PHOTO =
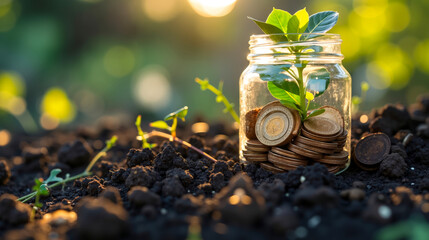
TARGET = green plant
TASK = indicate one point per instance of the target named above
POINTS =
(357, 100)
(39, 189)
(162, 124)
(181, 113)
(415, 228)
(286, 81)
(142, 134)
(229, 107)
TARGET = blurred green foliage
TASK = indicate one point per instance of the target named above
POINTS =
(105, 57)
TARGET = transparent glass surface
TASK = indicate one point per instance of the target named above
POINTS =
(270, 56)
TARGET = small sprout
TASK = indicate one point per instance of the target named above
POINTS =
(229, 107)
(42, 188)
(142, 134)
(65, 181)
(162, 124)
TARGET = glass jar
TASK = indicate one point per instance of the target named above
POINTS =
(317, 60)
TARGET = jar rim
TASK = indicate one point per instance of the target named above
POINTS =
(312, 37)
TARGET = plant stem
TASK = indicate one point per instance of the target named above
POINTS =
(302, 92)
(225, 102)
(168, 136)
(173, 128)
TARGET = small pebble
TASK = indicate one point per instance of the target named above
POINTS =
(302, 179)
(163, 211)
(412, 184)
(301, 232)
(412, 168)
(314, 221)
(384, 211)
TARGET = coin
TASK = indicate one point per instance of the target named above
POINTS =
(255, 159)
(249, 123)
(316, 137)
(274, 157)
(276, 124)
(254, 143)
(333, 161)
(309, 141)
(338, 156)
(253, 153)
(321, 126)
(371, 149)
(304, 152)
(257, 149)
(287, 153)
(333, 114)
(314, 148)
(270, 167)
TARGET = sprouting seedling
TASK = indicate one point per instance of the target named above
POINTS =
(415, 228)
(60, 181)
(287, 82)
(357, 100)
(229, 107)
(142, 135)
(41, 188)
(162, 124)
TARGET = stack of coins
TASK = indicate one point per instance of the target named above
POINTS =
(286, 159)
(322, 140)
(255, 151)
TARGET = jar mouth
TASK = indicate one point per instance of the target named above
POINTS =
(281, 46)
(304, 38)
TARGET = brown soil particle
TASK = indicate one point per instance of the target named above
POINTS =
(172, 187)
(141, 196)
(100, 219)
(94, 187)
(169, 158)
(75, 154)
(4, 172)
(324, 196)
(35, 159)
(393, 165)
(12, 211)
(139, 157)
(142, 176)
(184, 175)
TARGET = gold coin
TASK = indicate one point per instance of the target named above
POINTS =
(304, 152)
(317, 137)
(333, 161)
(276, 124)
(309, 141)
(338, 156)
(287, 153)
(333, 114)
(270, 167)
(314, 148)
(322, 126)
(275, 158)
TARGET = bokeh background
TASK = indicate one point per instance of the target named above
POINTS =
(68, 63)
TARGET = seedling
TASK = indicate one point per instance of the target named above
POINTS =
(357, 100)
(229, 107)
(181, 113)
(142, 134)
(286, 82)
(39, 190)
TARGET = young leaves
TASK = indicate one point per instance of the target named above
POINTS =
(53, 176)
(161, 125)
(280, 19)
(181, 113)
(145, 144)
(297, 24)
(321, 23)
(282, 94)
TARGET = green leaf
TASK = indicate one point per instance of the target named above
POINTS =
(37, 186)
(138, 120)
(282, 94)
(318, 81)
(149, 145)
(276, 72)
(43, 190)
(289, 86)
(316, 112)
(181, 113)
(321, 23)
(309, 96)
(271, 29)
(290, 105)
(111, 142)
(203, 83)
(160, 124)
(53, 176)
(297, 24)
(279, 18)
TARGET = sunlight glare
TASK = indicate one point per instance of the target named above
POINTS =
(212, 8)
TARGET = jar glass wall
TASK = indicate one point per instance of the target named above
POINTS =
(319, 59)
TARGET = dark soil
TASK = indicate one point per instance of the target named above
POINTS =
(172, 192)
